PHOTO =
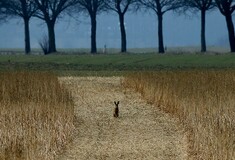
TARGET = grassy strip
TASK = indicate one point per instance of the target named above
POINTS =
(184, 60)
(77, 64)
(36, 116)
(203, 101)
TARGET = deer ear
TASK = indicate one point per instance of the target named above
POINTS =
(117, 102)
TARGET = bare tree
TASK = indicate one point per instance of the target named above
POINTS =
(203, 6)
(92, 7)
(121, 7)
(227, 8)
(50, 11)
(24, 9)
(160, 7)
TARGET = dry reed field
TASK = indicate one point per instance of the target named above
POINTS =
(36, 116)
(204, 101)
(141, 131)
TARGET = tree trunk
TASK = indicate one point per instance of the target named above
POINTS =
(93, 34)
(231, 34)
(203, 30)
(160, 34)
(123, 32)
(27, 36)
(51, 36)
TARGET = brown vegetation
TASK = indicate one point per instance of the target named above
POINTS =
(36, 116)
(141, 132)
(202, 100)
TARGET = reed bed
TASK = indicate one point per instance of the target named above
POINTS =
(36, 116)
(204, 102)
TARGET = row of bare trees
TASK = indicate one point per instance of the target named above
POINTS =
(50, 10)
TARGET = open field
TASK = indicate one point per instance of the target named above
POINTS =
(116, 63)
(198, 90)
(37, 120)
(202, 100)
(36, 116)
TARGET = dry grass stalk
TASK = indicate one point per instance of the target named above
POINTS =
(202, 100)
(36, 116)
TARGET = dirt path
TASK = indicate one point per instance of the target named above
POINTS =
(141, 132)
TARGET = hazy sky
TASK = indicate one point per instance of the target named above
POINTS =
(141, 31)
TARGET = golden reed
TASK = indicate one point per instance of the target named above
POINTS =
(204, 102)
(36, 116)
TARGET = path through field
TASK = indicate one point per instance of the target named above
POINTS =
(141, 132)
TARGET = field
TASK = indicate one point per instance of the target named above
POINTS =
(196, 90)
(202, 100)
(36, 116)
(140, 132)
(114, 64)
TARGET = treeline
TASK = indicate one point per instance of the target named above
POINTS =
(51, 11)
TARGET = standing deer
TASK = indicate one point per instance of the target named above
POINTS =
(116, 109)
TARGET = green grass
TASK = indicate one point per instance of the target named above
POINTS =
(115, 63)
